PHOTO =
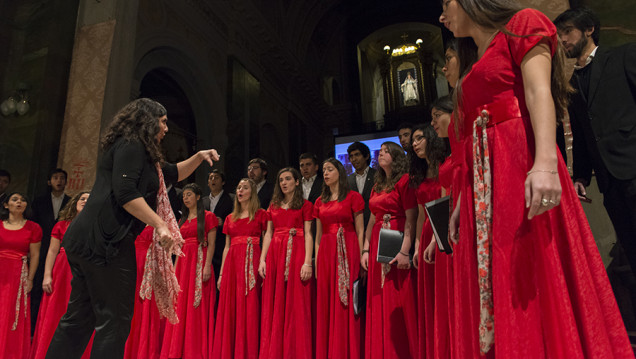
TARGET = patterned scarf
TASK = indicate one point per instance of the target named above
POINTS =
(159, 275)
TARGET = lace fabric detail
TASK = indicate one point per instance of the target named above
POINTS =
(198, 280)
(159, 274)
(483, 228)
(290, 239)
(250, 278)
(386, 268)
(22, 293)
(344, 276)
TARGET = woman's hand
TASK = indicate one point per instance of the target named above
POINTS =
(364, 260)
(261, 268)
(543, 191)
(416, 253)
(429, 252)
(218, 282)
(207, 272)
(47, 284)
(403, 261)
(29, 285)
(165, 237)
(210, 156)
(453, 225)
(305, 271)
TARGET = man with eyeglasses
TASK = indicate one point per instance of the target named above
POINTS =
(257, 172)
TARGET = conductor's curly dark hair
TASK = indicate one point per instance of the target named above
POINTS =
(137, 121)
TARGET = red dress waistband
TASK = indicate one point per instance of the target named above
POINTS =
(332, 228)
(236, 240)
(285, 231)
(11, 254)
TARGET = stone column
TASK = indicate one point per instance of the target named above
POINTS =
(99, 83)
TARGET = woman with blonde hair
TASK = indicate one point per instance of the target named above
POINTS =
(238, 321)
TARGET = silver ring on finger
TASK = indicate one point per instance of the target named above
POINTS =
(545, 202)
(553, 202)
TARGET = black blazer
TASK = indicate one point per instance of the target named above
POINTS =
(316, 189)
(223, 209)
(366, 192)
(265, 194)
(124, 173)
(604, 122)
(43, 212)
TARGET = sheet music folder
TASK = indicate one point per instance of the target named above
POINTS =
(438, 212)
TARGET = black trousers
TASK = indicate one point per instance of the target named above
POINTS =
(619, 199)
(102, 299)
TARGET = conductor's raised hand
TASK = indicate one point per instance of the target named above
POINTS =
(210, 156)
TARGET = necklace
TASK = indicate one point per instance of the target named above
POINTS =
(20, 222)
(486, 44)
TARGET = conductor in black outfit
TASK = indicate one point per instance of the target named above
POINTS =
(100, 242)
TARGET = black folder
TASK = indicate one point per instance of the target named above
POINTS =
(438, 212)
(389, 244)
(359, 292)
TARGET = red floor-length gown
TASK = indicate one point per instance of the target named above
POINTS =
(53, 305)
(146, 329)
(427, 191)
(14, 249)
(238, 315)
(189, 338)
(391, 328)
(550, 290)
(337, 327)
(286, 318)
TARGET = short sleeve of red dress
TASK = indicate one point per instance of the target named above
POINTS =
(407, 194)
(261, 218)
(59, 229)
(36, 232)
(533, 27)
(227, 224)
(307, 210)
(316, 209)
(211, 221)
(357, 202)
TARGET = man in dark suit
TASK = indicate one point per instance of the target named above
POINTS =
(45, 212)
(221, 204)
(363, 178)
(5, 181)
(603, 120)
(257, 172)
(311, 181)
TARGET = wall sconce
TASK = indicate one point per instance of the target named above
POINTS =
(419, 42)
(387, 48)
(18, 103)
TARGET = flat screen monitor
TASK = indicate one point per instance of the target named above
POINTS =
(373, 140)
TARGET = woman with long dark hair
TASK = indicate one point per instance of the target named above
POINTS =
(57, 281)
(190, 338)
(130, 184)
(19, 253)
(427, 153)
(238, 321)
(392, 288)
(339, 232)
(286, 269)
(528, 272)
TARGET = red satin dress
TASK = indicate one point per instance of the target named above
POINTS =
(391, 327)
(337, 327)
(286, 319)
(189, 338)
(427, 191)
(147, 326)
(14, 249)
(551, 295)
(238, 315)
(53, 306)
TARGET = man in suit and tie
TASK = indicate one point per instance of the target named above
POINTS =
(5, 181)
(45, 211)
(257, 172)
(221, 204)
(603, 119)
(363, 178)
(311, 181)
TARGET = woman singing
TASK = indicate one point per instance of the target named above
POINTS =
(286, 269)
(531, 281)
(426, 154)
(339, 233)
(190, 338)
(19, 253)
(57, 281)
(238, 319)
(392, 288)
(99, 244)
